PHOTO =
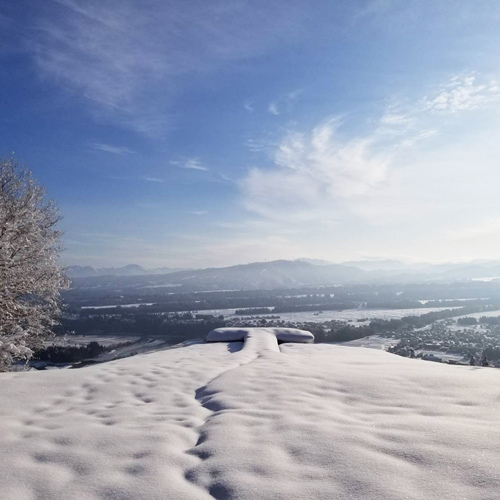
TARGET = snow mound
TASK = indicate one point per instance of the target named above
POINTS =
(240, 334)
(227, 421)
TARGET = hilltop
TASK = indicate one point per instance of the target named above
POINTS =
(248, 418)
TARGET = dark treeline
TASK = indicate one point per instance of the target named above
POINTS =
(381, 295)
(491, 352)
(343, 334)
(266, 302)
(340, 306)
(468, 321)
(69, 354)
(255, 310)
(328, 298)
(140, 325)
(489, 320)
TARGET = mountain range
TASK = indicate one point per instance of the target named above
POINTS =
(129, 270)
(283, 274)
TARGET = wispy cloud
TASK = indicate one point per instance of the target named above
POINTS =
(198, 212)
(108, 148)
(248, 105)
(258, 145)
(309, 167)
(143, 178)
(325, 173)
(150, 179)
(127, 58)
(225, 178)
(273, 108)
(463, 93)
(286, 102)
(190, 164)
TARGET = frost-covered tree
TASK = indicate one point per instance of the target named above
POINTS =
(30, 278)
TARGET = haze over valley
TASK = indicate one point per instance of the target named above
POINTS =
(282, 273)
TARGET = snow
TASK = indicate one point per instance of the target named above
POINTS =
(252, 420)
(123, 306)
(371, 342)
(240, 334)
(361, 315)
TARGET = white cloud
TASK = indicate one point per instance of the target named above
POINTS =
(190, 164)
(249, 106)
(108, 148)
(312, 168)
(225, 178)
(150, 179)
(198, 212)
(287, 102)
(463, 93)
(396, 120)
(258, 145)
(393, 171)
(273, 108)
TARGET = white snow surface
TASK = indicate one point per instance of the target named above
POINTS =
(271, 334)
(252, 420)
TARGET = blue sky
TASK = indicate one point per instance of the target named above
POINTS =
(215, 133)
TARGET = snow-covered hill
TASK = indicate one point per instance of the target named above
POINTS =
(252, 420)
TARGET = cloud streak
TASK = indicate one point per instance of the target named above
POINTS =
(190, 164)
(108, 148)
(143, 178)
(128, 58)
(249, 106)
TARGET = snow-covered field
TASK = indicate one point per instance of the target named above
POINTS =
(345, 315)
(371, 342)
(252, 420)
(313, 316)
(125, 306)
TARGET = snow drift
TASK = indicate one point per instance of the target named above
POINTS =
(252, 420)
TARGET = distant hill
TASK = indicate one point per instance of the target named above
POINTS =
(130, 270)
(256, 276)
(268, 275)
